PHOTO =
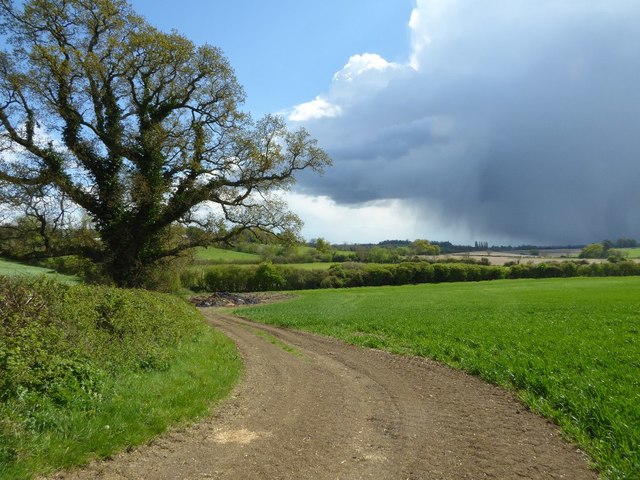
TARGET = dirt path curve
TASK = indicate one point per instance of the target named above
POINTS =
(309, 407)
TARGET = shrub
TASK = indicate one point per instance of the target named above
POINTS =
(267, 277)
(594, 250)
(68, 358)
(339, 256)
(60, 344)
(376, 275)
(193, 279)
(348, 274)
(89, 271)
(615, 256)
(31, 337)
(55, 337)
(229, 278)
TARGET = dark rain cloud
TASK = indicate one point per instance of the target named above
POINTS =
(522, 122)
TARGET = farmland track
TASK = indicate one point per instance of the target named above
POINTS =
(309, 407)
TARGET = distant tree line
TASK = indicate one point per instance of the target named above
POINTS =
(320, 250)
(447, 247)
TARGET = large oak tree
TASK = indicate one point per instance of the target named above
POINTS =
(140, 128)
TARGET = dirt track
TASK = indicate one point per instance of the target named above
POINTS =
(332, 411)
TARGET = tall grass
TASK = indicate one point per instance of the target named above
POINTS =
(569, 347)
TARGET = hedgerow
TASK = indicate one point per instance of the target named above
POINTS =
(266, 276)
(60, 345)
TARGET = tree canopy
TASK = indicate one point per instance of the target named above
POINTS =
(141, 129)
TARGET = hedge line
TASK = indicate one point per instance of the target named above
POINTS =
(60, 344)
(266, 276)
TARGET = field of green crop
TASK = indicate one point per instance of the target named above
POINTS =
(10, 269)
(308, 266)
(569, 347)
(632, 252)
(220, 255)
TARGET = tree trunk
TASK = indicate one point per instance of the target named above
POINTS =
(132, 254)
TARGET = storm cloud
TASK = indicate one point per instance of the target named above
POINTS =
(519, 120)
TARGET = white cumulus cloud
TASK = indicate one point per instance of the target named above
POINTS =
(317, 108)
(359, 78)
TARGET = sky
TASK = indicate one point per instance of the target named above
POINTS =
(506, 121)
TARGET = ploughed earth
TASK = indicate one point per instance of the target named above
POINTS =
(309, 407)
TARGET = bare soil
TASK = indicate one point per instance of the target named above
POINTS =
(501, 258)
(546, 256)
(320, 409)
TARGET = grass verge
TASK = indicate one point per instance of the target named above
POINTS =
(569, 347)
(135, 408)
(85, 372)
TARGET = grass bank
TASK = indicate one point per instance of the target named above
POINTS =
(87, 371)
(569, 347)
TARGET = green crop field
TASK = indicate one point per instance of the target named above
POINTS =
(631, 252)
(569, 347)
(307, 266)
(220, 255)
(9, 268)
